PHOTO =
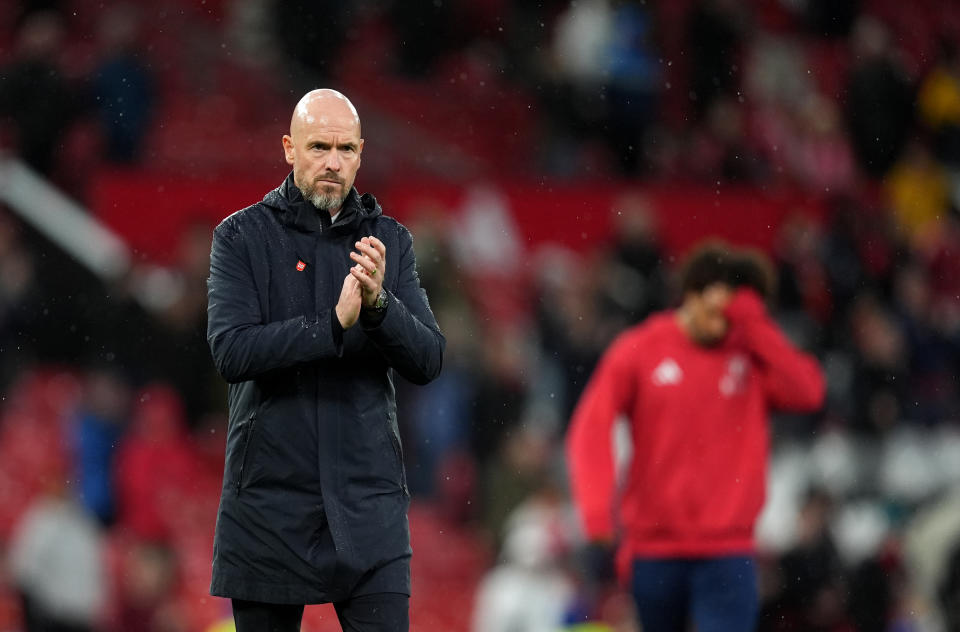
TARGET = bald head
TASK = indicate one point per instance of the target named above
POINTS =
(324, 147)
(321, 106)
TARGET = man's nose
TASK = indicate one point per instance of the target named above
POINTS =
(333, 160)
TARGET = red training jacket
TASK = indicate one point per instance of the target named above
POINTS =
(698, 421)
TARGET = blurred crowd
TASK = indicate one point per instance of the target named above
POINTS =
(111, 425)
(826, 96)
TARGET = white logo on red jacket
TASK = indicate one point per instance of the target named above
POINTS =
(668, 372)
(734, 380)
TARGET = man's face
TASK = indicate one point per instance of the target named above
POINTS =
(707, 323)
(324, 148)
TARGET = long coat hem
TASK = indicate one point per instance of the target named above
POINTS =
(393, 576)
(242, 587)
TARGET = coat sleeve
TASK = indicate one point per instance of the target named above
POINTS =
(610, 393)
(243, 346)
(792, 379)
(408, 335)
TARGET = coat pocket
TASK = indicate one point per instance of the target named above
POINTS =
(245, 455)
(398, 453)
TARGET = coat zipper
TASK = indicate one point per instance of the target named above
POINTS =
(248, 433)
(398, 452)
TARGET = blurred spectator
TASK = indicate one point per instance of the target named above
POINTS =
(442, 411)
(940, 252)
(929, 545)
(859, 252)
(633, 284)
(56, 560)
(34, 94)
(918, 189)
(499, 391)
(721, 149)
(875, 592)
(98, 426)
(776, 88)
(633, 74)
(582, 37)
(775, 70)
(521, 467)
(577, 68)
(177, 327)
(715, 31)
(938, 103)
(441, 274)
(122, 85)
(485, 239)
(821, 159)
(879, 98)
(607, 77)
(569, 321)
(530, 591)
(931, 362)
(881, 366)
(145, 596)
(155, 465)
(810, 590)
(802, 283)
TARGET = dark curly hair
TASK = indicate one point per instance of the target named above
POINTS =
(718, 262)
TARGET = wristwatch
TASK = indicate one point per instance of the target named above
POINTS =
(381, 303)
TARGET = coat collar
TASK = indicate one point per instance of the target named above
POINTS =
(304, 216)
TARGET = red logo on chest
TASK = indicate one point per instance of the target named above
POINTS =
(301, 265)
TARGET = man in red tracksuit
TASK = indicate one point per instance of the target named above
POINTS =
(696, 385)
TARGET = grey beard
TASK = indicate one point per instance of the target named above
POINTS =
(323, 201)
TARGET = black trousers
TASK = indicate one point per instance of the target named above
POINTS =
(380, 612)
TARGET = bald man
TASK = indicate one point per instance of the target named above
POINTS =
(314, 306)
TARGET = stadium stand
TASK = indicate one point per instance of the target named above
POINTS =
(605, 153)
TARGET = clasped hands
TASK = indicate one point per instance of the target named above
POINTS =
(364, 282)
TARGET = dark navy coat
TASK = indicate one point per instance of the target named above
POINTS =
(314, 501)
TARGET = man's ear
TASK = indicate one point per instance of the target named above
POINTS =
(288, 149)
